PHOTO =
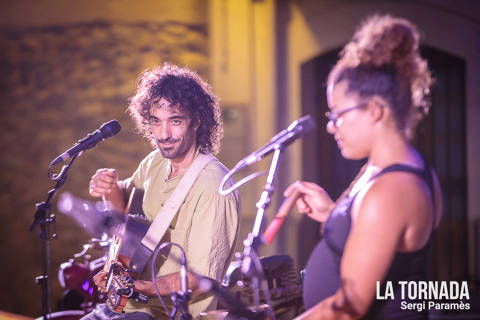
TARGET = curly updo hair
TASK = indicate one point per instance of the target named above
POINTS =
(383, 59)
(183, 87)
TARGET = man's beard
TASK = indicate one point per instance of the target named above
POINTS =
(177, 150)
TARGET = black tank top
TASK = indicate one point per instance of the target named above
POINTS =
(322, 273)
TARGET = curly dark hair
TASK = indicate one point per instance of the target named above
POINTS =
(180, 86)
(383, 59)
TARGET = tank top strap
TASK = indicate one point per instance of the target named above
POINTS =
(425, 174)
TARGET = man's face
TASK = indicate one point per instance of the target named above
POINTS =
(174, 132)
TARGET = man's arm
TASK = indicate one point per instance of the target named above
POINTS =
(168, 284)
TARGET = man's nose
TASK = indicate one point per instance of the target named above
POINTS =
(164, 132)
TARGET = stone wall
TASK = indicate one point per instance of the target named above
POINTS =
(59, 83)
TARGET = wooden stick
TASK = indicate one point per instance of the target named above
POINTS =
(280, 216)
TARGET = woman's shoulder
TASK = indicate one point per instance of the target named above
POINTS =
(402, 203)
(396, 197)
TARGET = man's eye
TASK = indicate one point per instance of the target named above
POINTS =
(154, 121)
(176, 121)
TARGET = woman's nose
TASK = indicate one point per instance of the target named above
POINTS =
(330, 127)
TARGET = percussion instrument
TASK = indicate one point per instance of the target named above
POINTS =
(65, 315)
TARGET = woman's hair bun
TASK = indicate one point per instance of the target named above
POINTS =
(383, 40)
(384, 43)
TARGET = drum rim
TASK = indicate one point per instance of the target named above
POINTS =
(64, 313)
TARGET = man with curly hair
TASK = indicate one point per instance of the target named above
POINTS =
(177, 112)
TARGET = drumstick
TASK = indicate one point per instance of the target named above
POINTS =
(106, 204)
(116, 238)
(279, 218)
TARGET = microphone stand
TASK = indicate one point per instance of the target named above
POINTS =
(44, 217)
(236, 307)
(180, 298)
(180, 301)
(253, 241)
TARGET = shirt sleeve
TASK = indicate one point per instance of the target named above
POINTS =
(213, 233)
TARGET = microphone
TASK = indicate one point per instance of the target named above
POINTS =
(106, 130)
(236, 308)
(294, 131)
(183, 274)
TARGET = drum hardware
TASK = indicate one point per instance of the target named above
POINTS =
(283, 281)
(259, 313)
(95, 217)
(76, 277)
(65, 315)
(103, 243)
(250, 267)
(249, 264)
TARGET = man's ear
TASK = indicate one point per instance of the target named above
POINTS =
(196, 124)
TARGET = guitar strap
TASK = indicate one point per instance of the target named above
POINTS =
(165, 216)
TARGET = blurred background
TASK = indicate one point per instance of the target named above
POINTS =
(68, 66)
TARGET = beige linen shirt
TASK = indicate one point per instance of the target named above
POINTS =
(206, 226)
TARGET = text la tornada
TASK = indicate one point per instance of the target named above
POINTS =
(423, 290)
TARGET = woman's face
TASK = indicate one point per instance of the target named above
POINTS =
(348, 122)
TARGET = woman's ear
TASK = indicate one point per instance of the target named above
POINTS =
(377, 107)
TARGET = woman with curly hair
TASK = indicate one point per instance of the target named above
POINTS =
(379, 231)
(177, 112)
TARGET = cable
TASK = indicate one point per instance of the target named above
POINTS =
(183, 270)
(239, 183)
(154, 276)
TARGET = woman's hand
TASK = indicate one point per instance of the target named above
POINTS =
(314, 201)
(331, 308)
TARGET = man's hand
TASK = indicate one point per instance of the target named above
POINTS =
(103, 182)
(100, 280)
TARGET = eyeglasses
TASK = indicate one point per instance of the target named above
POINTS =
(334, 117)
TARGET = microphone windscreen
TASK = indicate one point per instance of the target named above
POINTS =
(110, 128)
(306, 124)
